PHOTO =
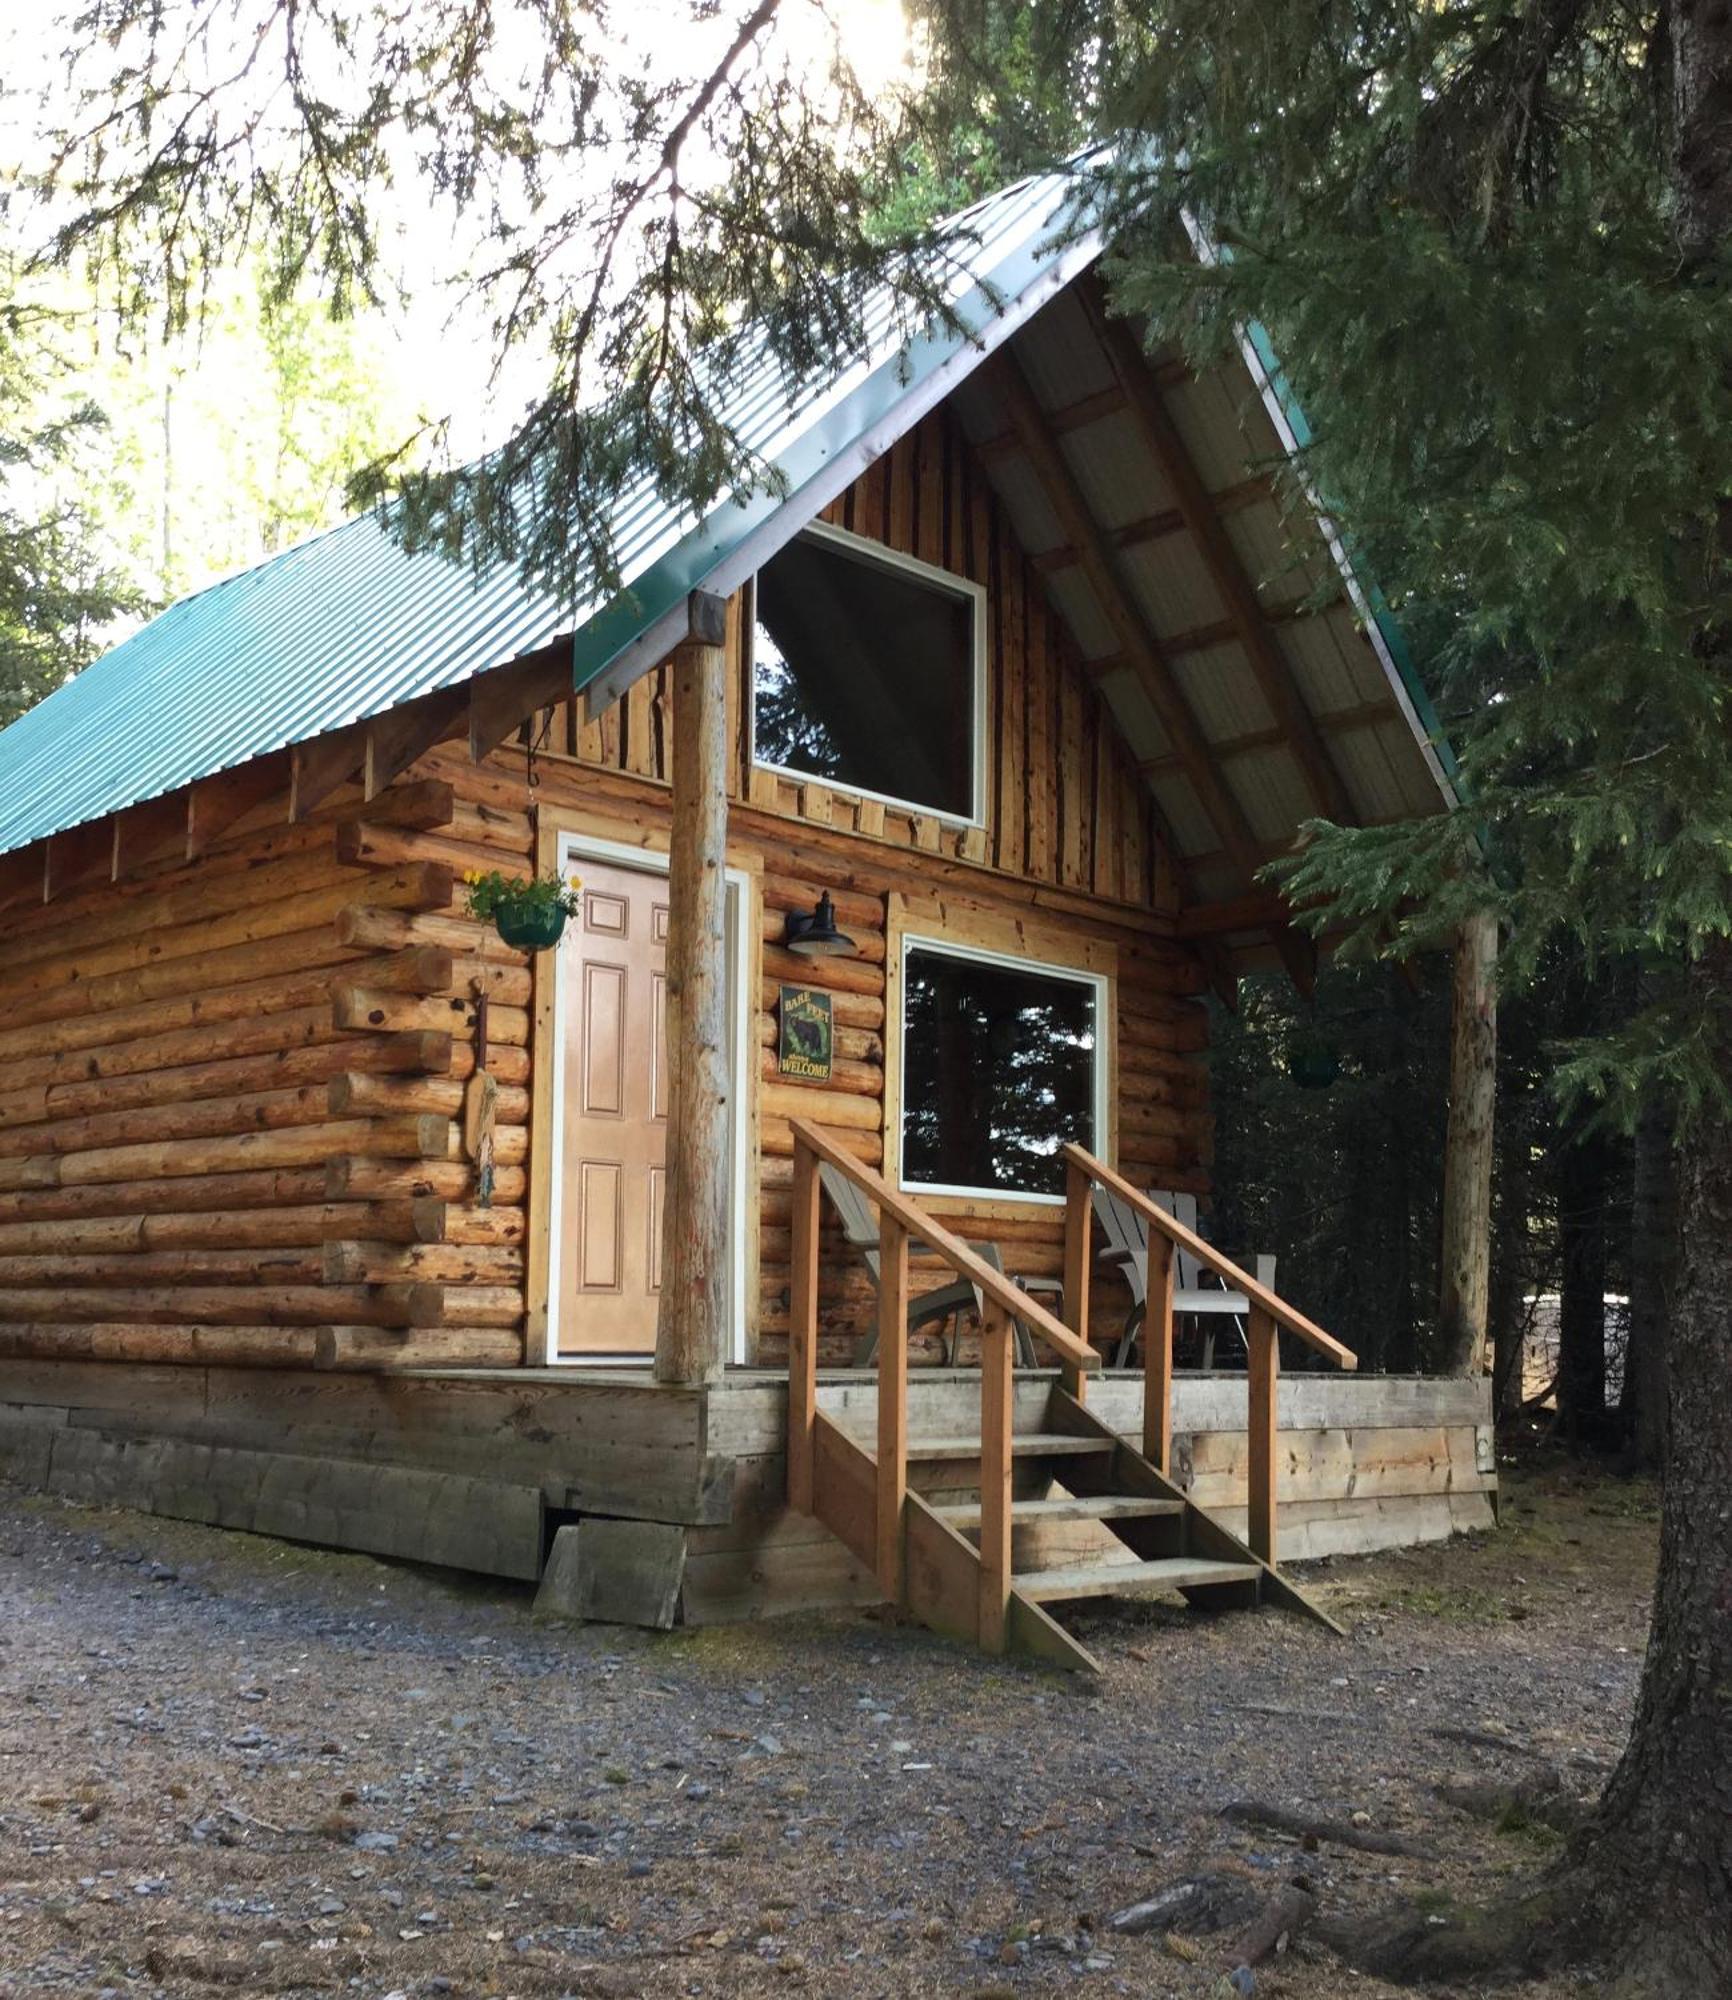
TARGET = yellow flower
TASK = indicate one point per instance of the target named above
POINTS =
(472, 874)
(576, 881)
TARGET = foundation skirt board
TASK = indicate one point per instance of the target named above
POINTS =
(604, 1572)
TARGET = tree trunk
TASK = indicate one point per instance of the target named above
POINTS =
(1658, 1854)
(1465, 1268)
(1654, 1249)
(1581, 1180)
(692, 1321)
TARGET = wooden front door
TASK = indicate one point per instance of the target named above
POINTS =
(614, 1157)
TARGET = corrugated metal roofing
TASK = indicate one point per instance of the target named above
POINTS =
(347, 625)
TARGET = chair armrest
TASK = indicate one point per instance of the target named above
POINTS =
(1120, 1257)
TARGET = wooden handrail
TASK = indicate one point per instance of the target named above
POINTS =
(1264, 1314)
(1235, 1279)
(1002, 1303)
(992, 1284)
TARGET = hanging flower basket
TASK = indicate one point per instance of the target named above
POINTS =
(529, 914)
(1313, 1066)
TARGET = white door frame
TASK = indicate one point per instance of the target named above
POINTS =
(574, 849)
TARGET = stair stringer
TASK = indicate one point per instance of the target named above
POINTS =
(1128, 1471)
(941, 1570)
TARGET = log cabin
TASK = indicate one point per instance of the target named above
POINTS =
(919, 798)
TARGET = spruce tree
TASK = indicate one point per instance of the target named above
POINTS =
(1492, 245)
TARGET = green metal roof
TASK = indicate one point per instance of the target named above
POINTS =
(347, 625)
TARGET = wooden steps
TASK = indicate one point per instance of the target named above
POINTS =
(1113, 1579)
(1026, 1444)
(1073, 1472)
(965, 1514)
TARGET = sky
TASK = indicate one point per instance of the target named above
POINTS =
(429, 347)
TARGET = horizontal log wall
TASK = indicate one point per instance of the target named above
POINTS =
(231, 1088)
(227, 1090)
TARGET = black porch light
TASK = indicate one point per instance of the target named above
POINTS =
(813, 933)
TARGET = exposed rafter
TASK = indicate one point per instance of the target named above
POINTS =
(1340, 722)
(1161, 437)
(1167, 521)
(1136, 643)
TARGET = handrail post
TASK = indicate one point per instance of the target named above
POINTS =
(997, 1387)
(1078, 1213)
(892, 1482)
(1158, 1354)
(1264, 1367)
(803, 1330)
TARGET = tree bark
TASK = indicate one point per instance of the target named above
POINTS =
(1653, 1278)
(1657, 1856)
(1465, 1268)
(692, 1321)
(1581, 1185)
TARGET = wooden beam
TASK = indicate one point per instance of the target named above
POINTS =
(1168, 521)
(692, 1322)
(152, 831)
(892, 1483)
(76, 858)
(1467, 1151)
(1108, 402)
(395, 739)
(1130, 630)
(1161, 437)
(501, 702)
(1341, 722)
(1255, 912)
(215, 804)
(803, 1331)
(21, 875)
(323, 765)
(1263, 1365)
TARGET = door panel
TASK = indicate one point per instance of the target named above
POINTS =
(614, 1156)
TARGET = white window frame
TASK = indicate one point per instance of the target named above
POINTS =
(864, 549)
(1099, 986)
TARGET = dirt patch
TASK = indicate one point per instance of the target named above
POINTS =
(228, 1765)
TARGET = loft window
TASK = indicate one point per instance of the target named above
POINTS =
(867, 673)
(1001, 1066)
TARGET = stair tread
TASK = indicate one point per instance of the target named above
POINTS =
(1104, 1507)
(1028, 1444)
(1106, 1579)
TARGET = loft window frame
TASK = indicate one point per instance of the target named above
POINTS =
(862, 548)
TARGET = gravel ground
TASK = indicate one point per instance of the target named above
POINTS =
(228, 1764)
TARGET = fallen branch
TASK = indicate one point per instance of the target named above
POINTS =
(1277, 1819)
(1287, 1913)
(1537, 1801)
(1198, 1903)
(1489, 1739)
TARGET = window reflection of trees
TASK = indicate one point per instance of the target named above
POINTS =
(998, 1073)
(786, 731)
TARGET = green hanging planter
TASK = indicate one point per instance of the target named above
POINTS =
(531, 929)
(529, 915)
(1313, 1068)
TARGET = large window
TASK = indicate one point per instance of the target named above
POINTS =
(1001, 1066)
(866, 672)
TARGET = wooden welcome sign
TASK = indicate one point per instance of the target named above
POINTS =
(807, 1034)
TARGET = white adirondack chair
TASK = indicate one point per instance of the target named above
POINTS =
(948, 1301)
(1195, 1289)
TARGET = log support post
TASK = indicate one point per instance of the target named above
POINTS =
(692, 1325)
(1465, 1264)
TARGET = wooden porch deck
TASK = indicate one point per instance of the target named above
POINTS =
(474, 1468)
